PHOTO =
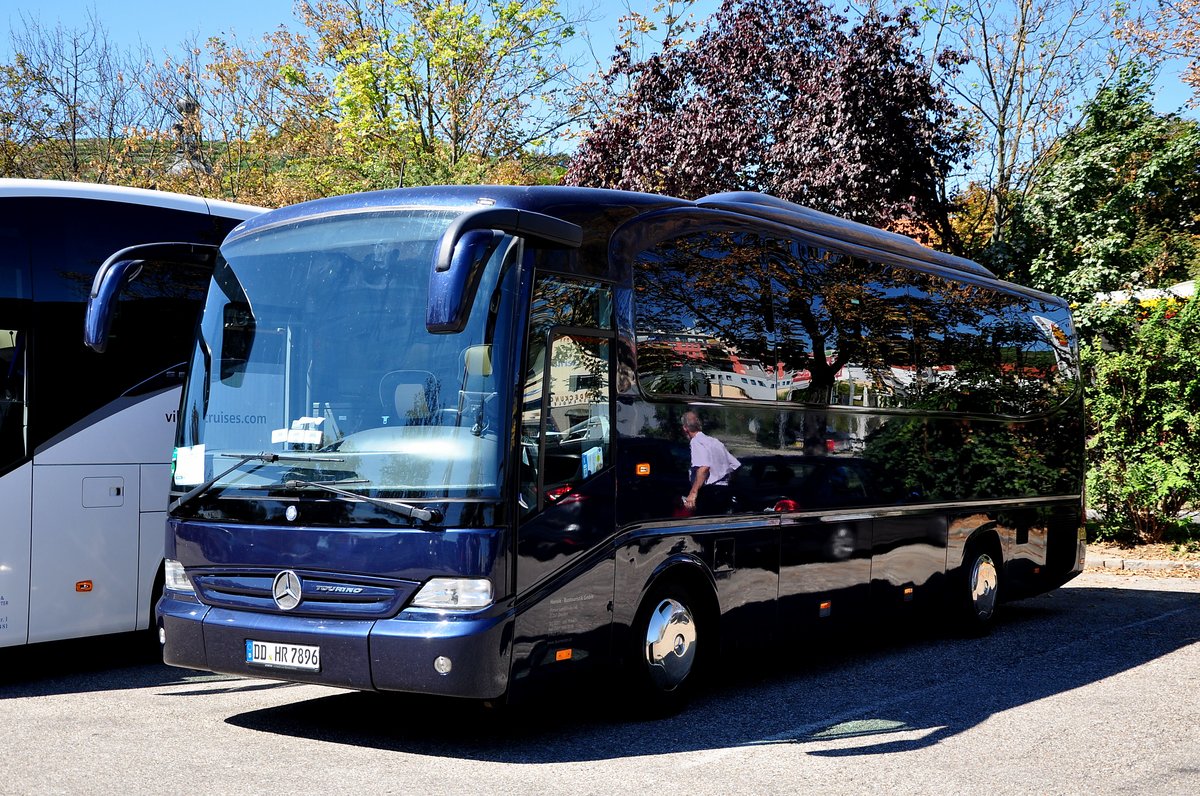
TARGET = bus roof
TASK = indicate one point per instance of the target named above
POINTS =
(10, 188)
(567, 201)
(771, 208)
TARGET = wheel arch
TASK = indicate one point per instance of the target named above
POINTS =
(695, 576)
(987, 536)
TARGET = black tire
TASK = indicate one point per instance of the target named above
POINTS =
(977, 589)
(664, 658)
(152, 646)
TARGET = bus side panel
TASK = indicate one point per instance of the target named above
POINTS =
(150, 560)
(824, 571)
(15, 490)
(129, 430)
(739, 556)
(151, 535)
(564, 629)
(1042, 547)
(908, 562)
(84, 556)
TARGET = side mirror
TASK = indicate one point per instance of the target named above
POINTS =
(123, 267)
(111, 280)
(237, 337)
(452, 291)
(464, 250)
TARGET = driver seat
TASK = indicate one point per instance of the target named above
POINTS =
(409, 396)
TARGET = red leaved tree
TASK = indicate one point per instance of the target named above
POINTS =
(788, 98)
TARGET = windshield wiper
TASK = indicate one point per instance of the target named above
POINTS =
(403, 509)
(265, 458)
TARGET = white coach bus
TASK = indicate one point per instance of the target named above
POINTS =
(86, 439)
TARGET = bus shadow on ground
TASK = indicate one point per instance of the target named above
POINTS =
(889, 691)
(99, 663)
(104, 663)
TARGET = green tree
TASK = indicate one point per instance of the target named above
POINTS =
(265, 123)
(1144, 407)
(1117, 210)
(1119, 204)
(445, 90)
(67, 97)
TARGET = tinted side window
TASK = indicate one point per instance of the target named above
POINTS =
(154, 324)
(15, 318)
(703, 314)
(844, 332)
(985, 351)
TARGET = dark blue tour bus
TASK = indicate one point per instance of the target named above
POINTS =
(463, 440)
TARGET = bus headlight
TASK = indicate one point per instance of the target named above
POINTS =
(454, 594)
(175, 579)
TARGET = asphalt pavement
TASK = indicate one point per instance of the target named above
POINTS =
(1093, 688)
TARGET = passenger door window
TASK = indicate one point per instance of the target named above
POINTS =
(566, 406)
(15, 312)
(13, 417)
(575, 436)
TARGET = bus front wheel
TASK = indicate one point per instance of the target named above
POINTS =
(666, 638)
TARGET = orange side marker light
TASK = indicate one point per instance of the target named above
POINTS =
(563, 655)
(83, 585)
(643, 468)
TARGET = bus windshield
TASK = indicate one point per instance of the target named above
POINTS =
(313, 346)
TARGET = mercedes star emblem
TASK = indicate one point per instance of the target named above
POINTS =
(286, 590)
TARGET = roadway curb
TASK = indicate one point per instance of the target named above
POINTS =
(1109, 562)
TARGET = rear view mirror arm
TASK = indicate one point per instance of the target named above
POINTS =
(465, 248)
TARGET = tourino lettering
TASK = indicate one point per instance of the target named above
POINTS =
(339, 589)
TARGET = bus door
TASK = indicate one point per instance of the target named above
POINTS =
(564, 575)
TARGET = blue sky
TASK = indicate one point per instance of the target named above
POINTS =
(159, 25)
(164, 25)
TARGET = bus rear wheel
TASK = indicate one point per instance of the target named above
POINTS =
(978, 589)
(665, 658)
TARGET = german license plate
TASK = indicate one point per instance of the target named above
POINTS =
(283, 656)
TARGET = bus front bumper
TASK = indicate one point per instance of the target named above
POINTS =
(461, 656)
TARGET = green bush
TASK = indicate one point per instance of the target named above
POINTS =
(1144, 410)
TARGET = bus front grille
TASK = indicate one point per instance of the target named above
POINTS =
(345, 597)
